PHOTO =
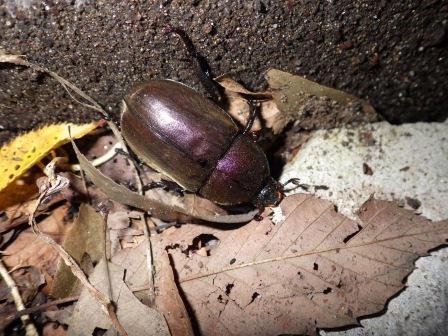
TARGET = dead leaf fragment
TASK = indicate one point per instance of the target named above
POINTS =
(85, 242)
(136, 318)
(168, 300)
(28, 250)
(239, 108)
(317, 269)
(238, 98)
(315, 106)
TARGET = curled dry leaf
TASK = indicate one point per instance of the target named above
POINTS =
(238, 100)
(164, 205)
(85, 242)
(239, 108)
(313, 105)
(317, 269)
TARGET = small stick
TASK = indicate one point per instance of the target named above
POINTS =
(30, 329)
(149, 261)
(43, 306)
(114, 150)
(54, 184)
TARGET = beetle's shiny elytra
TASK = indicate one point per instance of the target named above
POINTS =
(187, 137)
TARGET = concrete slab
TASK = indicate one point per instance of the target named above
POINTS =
(407, 164)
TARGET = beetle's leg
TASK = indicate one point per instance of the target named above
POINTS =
(203, 71)
(297, 184)
(252, 116)
(166, 185)
(153, 185)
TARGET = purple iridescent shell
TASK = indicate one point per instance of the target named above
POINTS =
(185, 136)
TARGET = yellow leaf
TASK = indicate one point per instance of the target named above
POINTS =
(27, 149)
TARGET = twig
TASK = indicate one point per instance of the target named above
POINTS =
(43, 306)
(30, 329)
(54, 185)
(149, 261)
(99, 160)
(62, 301)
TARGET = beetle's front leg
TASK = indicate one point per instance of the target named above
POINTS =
(203, 71)
(252, 115)
(253, 110)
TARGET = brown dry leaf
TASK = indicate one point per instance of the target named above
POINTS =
(136, 318)
(238, 104)
(168, 300)
(317, 269)
(315, 106)
(28, 250)
(239, 107)
(231, 85)
(18, 214)
(272, 116)
(85, 242)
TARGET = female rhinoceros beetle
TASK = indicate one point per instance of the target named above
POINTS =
(192, 140)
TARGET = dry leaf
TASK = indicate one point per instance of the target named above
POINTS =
(238, 101)
(168, 300)
(28, 250)
(229, 84)
(317, 269)
(136, 318)
(18, 214)
(313, 105)
(118, 224)
(158, 202)
(85, 242)
(26, 150)
(239, 107)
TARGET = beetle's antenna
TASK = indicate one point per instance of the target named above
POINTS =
(203, 70)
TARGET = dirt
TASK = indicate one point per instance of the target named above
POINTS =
(392, 53)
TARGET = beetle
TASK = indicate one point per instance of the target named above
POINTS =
(187, 137)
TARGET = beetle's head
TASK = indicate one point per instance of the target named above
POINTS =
(271, 194)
